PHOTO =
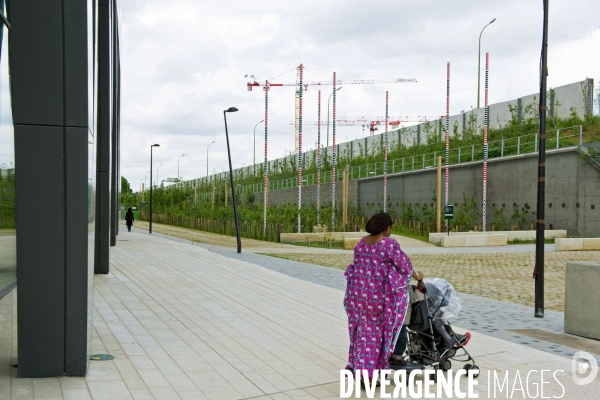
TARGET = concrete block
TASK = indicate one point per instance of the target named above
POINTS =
(555, 233)
(293, 237)
(354, 235)
(568, 244)
(436, 237)
(475, 240)
(591, 244)
(350, 243)
(497, 240)
(334, 236)
(582, 299)
(512, 235)
(453, 241)
(315, 236)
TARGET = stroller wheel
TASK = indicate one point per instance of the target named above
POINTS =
(445, 365)
(474, 367)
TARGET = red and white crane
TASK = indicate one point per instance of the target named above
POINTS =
(373, 122)
(301, 86)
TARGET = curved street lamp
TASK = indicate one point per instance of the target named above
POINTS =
(178, 166)
(207, 158)
(254, 153)
(157, 181)
(150, 220)
(328, 114)
(235, 213)
(145, 183)
(479, 61)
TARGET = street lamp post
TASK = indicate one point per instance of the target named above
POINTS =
(254, 153)
(235, 213)
(157, 181)
(328, 114)
(178, 167)
(207, 158)
(479, 61)
(145, 183)
(150, 220)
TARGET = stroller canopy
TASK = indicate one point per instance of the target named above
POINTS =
(446, 303)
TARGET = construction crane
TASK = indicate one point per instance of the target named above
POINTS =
(373, 122)
(301, 86)
(337, 82)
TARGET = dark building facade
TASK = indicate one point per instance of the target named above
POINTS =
(62, 79)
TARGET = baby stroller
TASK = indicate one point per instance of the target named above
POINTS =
(431, 340)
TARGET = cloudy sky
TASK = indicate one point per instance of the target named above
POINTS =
(184, 61)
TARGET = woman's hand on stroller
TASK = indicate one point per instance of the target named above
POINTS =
(418, 275)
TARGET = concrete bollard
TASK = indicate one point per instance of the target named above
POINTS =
(582, 299)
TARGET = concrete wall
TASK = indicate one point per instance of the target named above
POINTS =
(309, 195)
(512, 182)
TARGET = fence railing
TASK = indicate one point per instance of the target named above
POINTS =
(555, 139)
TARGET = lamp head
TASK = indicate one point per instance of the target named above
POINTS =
(231, 109)
(492, 21)
(156, 145)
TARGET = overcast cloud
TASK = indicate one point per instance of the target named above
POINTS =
(184, 61)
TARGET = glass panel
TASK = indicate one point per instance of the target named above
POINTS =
(8, 239)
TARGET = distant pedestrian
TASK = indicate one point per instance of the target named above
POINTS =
(129, 219)
(376, 296)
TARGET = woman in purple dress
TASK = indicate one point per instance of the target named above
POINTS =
(376, 296)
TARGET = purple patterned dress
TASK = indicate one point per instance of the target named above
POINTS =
(376, 301)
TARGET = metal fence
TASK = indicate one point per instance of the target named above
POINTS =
(555, 139)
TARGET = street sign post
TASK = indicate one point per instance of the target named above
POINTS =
(449, 214)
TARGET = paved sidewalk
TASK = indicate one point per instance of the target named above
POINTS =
(185, 322)
(480, 314)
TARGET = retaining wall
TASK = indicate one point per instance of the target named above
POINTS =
(572, 189)
(309, 195)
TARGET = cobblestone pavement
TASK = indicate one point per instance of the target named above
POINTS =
(501, 276)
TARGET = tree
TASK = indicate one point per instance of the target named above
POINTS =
(125, 188)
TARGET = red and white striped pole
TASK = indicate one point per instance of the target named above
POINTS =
(447, 129)
(485, 142)
(319, 162)
(333, 160)
(300, 68)
(385, 154)
(266, 165)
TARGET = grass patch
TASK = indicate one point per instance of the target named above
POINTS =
(329, 244)
(522, 241)
(411, 235)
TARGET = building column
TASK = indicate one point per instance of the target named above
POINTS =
(54, 149)
(104, 142)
